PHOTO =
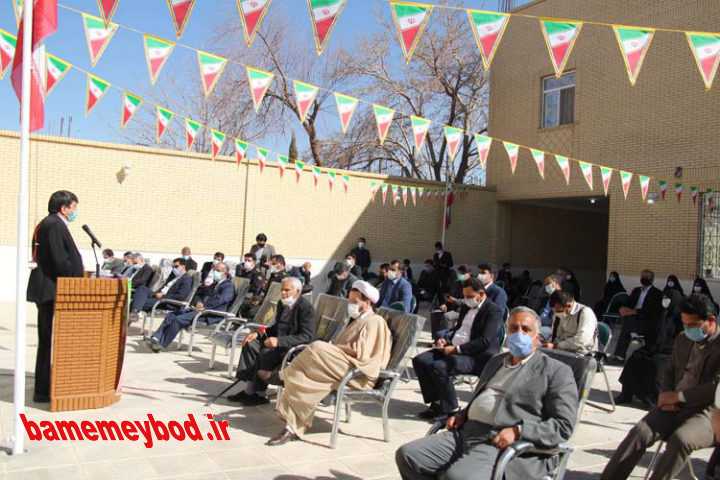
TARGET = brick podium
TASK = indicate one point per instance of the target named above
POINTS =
(89, 331)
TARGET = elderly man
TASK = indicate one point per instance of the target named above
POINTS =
(522, 395)
(364, 344)
(682, 416)
(294, 325)
(143, 272)
(223, 293)
(575, 326)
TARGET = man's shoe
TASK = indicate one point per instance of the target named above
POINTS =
(241, 396)
(623, 399)
(155, 345)
(646, 403)
(432, 412)
(38, 398)
(284, 437)
(254, 400)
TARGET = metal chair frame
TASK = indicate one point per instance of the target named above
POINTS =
(149, 321)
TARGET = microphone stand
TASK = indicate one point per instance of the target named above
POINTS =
(97, 262)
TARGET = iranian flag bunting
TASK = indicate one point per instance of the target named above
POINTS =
(404, 195)
(560, 38)
(262, 155)
(706, 50)
(634, 43)
(373, 191)
(283, 163)
(8, 42)
(157, 52)
(252, 13)
(564, 165)
(512, 151)
(413, 194)
(131, 103)
(324, 15)
(241, 148)
(625, 178)
(346, 107)
(539, 157)
(644, 186)
(483, 143)
(384, 189)
(346, 182)
(299, 167)
(211, 67)
(383, 117)
(488, 29)
(587, 171)
(331, 179)
(421, 192)
(191, 130)
(678, 191)
(217, 140)
(454, 138)
(96, 89)
(420, 127)
(180, 11)
(410, 19)
(57, 68)
(316, 175)
(163, 117)
(97, 35)
(259, 81)
(305, 96)
(694, 195)
(663, 188)
(606, 174)
(395, 194)
(107, 9)
(17, 10)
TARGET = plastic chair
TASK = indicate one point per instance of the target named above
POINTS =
(612, 312)
(149, 320)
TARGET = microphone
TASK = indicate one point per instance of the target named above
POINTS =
(92, 236)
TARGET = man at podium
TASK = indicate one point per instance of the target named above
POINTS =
(55, 255)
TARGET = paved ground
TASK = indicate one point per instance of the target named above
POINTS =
(171, 385)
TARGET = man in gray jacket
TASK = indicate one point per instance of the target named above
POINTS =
(521, 395)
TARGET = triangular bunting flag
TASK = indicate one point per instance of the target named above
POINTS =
(678, 191)
(346, 182)
(694, 195)
(96, 89)
(157, 52)
(346, 107)
(8, 42)
(488, 29)
(483, 143)
(107, 9)
(324, 15)
(587, 171)
(454, 138)
(413, 194)
(539, 157)
(384, 189)
(191, 130)
(634, 43)
(560, 38)
(241, 148)
(305, 96)
(373, 191)
(211, 67)
(131, 103)
(97, 35)
(331, 179)
(606, 174)
(252, 13)
(644, 186)
(410, 19)
(512, 151)
(57, 68)
(420, 127)
(383, 117)
(395, 194)
(404, 195)
(17, 10)
(262, 155)
(217, 140)
(283, 162)
(564, 165)
(421, 191)
(316, 175)
(163, 117)
(180, 11)
(299, 167)
(706, 50)
(259, 81)
(663, 185)
(625, 178)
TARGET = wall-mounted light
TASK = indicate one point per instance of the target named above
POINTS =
(593, 201)
(123, 173)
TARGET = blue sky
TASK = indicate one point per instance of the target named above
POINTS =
(123, 62)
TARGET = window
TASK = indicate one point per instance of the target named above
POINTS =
(558, 101)
(710, 236)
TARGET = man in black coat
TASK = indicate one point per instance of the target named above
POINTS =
(176, 289)
(465, 349)
(642, 315)
(250, 270)
(443, 263)
(362, 256)
(56, 255)
(143, 274)
(294, 324)
(208, 266)
(187, 255)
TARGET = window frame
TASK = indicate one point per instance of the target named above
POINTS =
(544, 92)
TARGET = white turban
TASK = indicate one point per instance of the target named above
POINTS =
(368, 290)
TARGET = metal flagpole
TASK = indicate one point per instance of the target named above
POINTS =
(21, 266)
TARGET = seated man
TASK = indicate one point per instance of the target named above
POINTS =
(143, 299)
(351, 262)
(464, 349)
(381, 276)
(250, 270)
(130, 267)
(208, 266)
(427, 284)
(113, 266)
(190, 262)
(643, 315)
(341, 281)
(277, 272)
(395, 289)
(495, 293)
(452, 300)
(206, 278)
(143, 272)
(523, 395)
(682, 416)
(575, 325)
(294, 325)
(551, 284)
(364, 344)
(223, 293)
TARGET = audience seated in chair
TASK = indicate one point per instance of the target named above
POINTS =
(189, 261)
(495, 293)
(351, 262)
(427, 285)
(341, 280)
(453, 299)
(575, 325)
(364, 344)
(222, 295)
(111, 266)
(129, 267)
(206, 277)
(465, 349)
(569, 282)
(208, 266)
(250, 270)
(643, 314)
(395, 289)
(277, 272)
(682, 416)
(522, 395)
(143, 274)
(294, 324)
(144, 299)
(381, 276)
(613, 286)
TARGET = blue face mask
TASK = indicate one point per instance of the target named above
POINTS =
(696, 334)
(72, 217)
(520, 345)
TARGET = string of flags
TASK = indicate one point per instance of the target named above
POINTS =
(415, 193)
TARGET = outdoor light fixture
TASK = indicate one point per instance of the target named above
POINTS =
(652, 198)
(592, 201)
(123, 173)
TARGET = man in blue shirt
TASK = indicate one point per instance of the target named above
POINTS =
(396, 289)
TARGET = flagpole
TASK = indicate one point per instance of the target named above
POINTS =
(21, 256)
(444, 221)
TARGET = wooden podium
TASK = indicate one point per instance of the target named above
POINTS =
(89, 330)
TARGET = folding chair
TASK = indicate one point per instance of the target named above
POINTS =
(655, 458)
(149, 321)
(604, 337)
(612, 312)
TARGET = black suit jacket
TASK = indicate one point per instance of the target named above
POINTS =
(362, 257)
(56, 256)
(257, 279)
(143, 277)
(650, 315)
(484, 340)
(190, 264)
(298, 328)
(207, 266)
(180, 289)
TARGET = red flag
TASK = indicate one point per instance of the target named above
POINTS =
(449, 202)
(45, 20)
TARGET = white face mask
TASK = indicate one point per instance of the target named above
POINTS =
(215, 261)
(349, 263)
(549, 289)
(361, 245)
(484, 278)
(697, 289)
(471, 302)
(218, 276)
(392, 275)
(665, 302)
(177, 272)
(248, 265)
(671, 284)
(353, 310)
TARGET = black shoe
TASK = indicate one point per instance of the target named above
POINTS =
(282, 438)
(241, 396)
(646, 402)
(39, 398)
(432, 411)
(254, 400)
(155, 345)
(623, 399)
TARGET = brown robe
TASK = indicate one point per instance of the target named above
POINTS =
(364, 344)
